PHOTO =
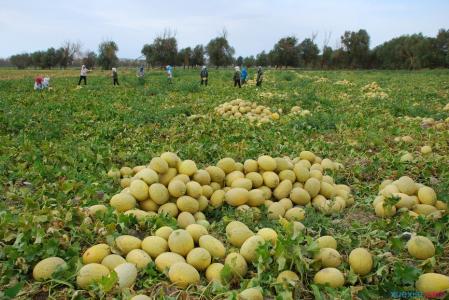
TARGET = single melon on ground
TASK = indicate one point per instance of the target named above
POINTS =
(44, 269)
(361, 261)
(183, 274)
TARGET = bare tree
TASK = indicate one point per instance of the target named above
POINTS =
(168, 33)
(327, 38)
(70, 51)
(326, 51)
(314, 35)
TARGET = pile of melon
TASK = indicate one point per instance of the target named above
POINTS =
(180, 189)
(344, 82)
(241, 109)
(373, 91)
(432, 123)
(429, 122)
(407, 196)
(191, 256)
(298, 111)
(188, 255)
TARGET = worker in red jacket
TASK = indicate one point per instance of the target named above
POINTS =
(38, 82)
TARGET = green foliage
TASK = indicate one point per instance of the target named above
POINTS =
(57, 145)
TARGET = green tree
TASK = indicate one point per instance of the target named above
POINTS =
(308, 52)
(340, 58)
(442, 47)
(286, 52)
(406, 52)
(326, 57)
(185, 57)
(219, 51)
(37, 59)
(262, 59)
(356, 44)
(49, 58)
(107, 57)
(21, 61)
(198, 54)
(249, 61)
(239, 61)
(163, 51)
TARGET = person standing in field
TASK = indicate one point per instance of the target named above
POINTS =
(204, 75)
(169, 70)
(259, 76)
(244, 75)
(141, 72)
(83, 75)
(115, 76)
(237, 76)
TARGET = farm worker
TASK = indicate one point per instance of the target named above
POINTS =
(169, 70)
(38, 83)
(141, 72)
(237, 77)
(244, 75)
(115, 76)
(46, 82)
(259, 76)
(83, 75)
(204, 75)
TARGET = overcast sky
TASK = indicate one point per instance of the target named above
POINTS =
(252, 25)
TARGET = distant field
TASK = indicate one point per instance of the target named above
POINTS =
(56, 147)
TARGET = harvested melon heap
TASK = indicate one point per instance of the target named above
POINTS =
(269, 95)
(321, 80)
(192, 253)
(406, 196)
(296, 110)
(344, 82)
(251, 82)
(186, 256)
(343, 96)
(178, 188)
(242, 109)
(373, 90)
(430, 122)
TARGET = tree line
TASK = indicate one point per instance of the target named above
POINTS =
(405, 52)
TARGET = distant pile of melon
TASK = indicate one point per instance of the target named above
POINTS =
(321, 80)
(429, 122)
(269, 95)
(344, 82)
(251, 82)
(373, 91)
(180, 189)
(406, 196)
(241, 109)
(298, 111)
(432, 123)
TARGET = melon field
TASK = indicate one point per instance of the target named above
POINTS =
(317, 185)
